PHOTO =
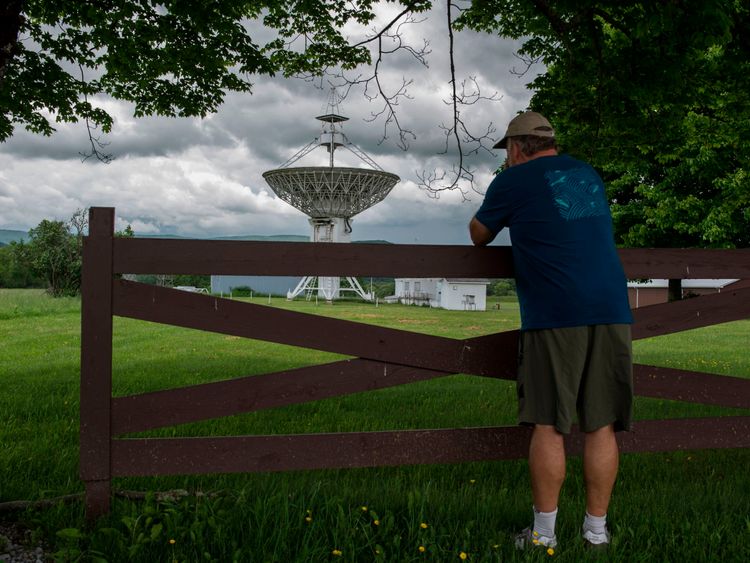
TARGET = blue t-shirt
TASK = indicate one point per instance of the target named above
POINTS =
(568, 272)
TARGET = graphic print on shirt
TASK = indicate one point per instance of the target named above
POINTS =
(577, 193)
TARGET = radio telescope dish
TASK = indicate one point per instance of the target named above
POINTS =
(330, 195)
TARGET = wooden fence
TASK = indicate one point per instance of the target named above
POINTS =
(383, 357)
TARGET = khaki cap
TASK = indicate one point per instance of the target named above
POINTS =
(527, 123)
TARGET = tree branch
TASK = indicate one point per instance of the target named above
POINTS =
(97, 145)
(461, 176)
(372, 85)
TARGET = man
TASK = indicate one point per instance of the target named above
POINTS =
(575, 346)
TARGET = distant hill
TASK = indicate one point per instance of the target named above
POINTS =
(267, 238)
(262, 238)
(7, 236)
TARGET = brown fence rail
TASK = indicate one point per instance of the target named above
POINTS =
(382, 357)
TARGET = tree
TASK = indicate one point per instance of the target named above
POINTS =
(167, 58)
(14, 271)
(53, 254)
(656, 95)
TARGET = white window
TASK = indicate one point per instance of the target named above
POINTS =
(417, 286)
(406, 286)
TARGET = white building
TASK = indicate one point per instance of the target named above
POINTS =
(456, 294)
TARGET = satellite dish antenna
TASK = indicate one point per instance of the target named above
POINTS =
(330, 196)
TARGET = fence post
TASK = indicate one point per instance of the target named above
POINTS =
(96, 360)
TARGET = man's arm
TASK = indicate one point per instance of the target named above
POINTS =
(480, 235)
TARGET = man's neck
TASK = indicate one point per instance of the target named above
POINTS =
(521, 158)
(540, 154)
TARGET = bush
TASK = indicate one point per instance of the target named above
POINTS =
(502, 287)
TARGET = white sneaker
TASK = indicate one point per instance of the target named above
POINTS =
(528, 539)
(594, 540)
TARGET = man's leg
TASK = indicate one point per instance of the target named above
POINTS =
(600, 462)
(547, 466)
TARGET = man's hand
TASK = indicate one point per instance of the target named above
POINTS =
(480, 235)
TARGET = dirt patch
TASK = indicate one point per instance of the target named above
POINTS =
(367, 316)
(418, 321)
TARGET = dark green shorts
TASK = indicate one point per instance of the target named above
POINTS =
(585, 370)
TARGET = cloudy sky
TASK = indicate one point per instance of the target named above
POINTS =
(203, 178)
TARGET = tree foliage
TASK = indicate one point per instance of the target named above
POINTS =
(52, 256)
(171, 58)
(53, 253)
(14, 271)
(657, 96)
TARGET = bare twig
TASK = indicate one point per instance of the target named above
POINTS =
(160, 496)
(461, 177)
(388, 41)
(527, 61)
(43, 503)
(97, 145)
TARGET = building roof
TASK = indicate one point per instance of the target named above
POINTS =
(485, 281)
(686, 284)
(468, 280)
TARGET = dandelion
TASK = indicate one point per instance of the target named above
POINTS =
(422, 549)
(363, 508)
(424, 525)
(308, 519)
(462, 556)
(472, 481)
(496, 546)
(376, 522)
(550, 551)
(336, 553)
(172, 542)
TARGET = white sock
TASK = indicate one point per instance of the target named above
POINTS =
(595, 524)
(544, 523)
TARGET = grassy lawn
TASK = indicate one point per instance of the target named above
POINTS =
(689, 506)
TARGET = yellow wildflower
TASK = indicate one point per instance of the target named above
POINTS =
(336, 553)
(550, 552)
(423, 525)
(472, 481)
(363, 508)
(536, 534)
(376, 522)
(462, 556)
(172, 542)
(422, 549)
(308, 519)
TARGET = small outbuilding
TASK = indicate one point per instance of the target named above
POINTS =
(456, 294)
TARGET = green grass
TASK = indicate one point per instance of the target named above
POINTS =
(689, 506)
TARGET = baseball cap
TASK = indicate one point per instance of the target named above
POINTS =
(527, 123)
